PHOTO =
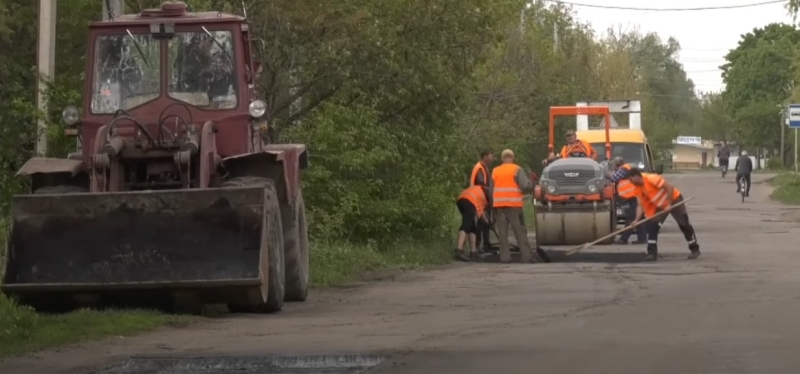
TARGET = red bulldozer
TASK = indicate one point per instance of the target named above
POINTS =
(177, 198)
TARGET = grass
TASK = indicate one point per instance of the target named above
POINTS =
(23, 330)
(334, 264)
(787, 189)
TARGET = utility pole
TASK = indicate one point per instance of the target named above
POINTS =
(45, 64)
(117, 8)
(784, 123)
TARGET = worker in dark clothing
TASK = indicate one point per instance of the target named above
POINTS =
(723, 155)
(744, 166)
(481, 177)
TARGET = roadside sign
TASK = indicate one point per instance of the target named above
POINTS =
(794, 116)
(698, 140)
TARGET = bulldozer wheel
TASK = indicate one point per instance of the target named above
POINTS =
(268, 298)
(296, 249)
(59, 190)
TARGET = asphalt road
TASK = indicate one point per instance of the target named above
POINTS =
(734, 310)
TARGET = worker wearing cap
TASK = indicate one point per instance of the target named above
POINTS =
(510, 182)
(480, 177)
(626, 193)
(654, 194)
(574, 148)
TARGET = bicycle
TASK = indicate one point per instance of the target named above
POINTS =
(724, 169)
(743, 186)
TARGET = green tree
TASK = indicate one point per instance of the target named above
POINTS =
(759, 75)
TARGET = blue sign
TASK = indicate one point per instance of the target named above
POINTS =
(794, 116)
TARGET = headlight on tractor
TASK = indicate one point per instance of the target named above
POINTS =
(551, 189)
(257, 108)
(70, 116)
(592, 188)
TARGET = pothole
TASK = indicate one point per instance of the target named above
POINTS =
(311, 364)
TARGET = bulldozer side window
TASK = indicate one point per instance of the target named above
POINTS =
(202, 69)
(127, 72)
(634, 154)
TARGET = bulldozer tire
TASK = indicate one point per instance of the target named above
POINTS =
(268, 298)
(295, 237)
(59, 190)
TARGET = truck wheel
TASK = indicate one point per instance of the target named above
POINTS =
(296, 247)
(60, 190)
(269, 297)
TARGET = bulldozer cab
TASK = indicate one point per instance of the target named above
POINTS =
(167, 70)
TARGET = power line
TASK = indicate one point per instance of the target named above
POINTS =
(750, 5)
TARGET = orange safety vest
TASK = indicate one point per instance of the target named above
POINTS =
(625, 188)
(579, 146)
(476, 196)
(653, 194)
(506, 192)
(478, 168)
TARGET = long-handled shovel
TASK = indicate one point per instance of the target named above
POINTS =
(657, 215)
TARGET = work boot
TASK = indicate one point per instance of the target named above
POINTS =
(461, 256)
(621, 242)
(695, 251)
(639, 242)
(475, 257)
(652, 254)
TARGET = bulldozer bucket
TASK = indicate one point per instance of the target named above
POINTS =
(573, 225)
(144, 247)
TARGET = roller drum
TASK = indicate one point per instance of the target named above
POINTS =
(572, 226)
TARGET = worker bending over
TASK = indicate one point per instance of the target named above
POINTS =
(507, 199)
(626, 192)
(574, 148)
(472, 205)
(480, 177)
(654, 195)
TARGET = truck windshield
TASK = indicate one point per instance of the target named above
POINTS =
(202, 73)
(634, 154)
(126, 72)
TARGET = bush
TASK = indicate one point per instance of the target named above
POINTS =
(775, 163)
(787, 189)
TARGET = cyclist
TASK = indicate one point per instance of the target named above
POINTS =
(744, 166)
(723, 155)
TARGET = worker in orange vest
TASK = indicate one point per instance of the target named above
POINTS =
(480, 177)
(626, 193)
(471, 204)
(654, 194)
(510, 182)
(574, 148)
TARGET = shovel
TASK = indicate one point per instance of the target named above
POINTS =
(615, 233)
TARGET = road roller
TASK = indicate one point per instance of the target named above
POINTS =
(574, 200)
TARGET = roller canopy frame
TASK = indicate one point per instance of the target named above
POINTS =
(563, 111)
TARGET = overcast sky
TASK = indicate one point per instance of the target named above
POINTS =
(705, 36)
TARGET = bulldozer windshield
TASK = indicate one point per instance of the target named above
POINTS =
(202, 69)
(127, 70)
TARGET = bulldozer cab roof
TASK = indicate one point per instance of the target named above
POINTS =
(615, 136)
(167, 13)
